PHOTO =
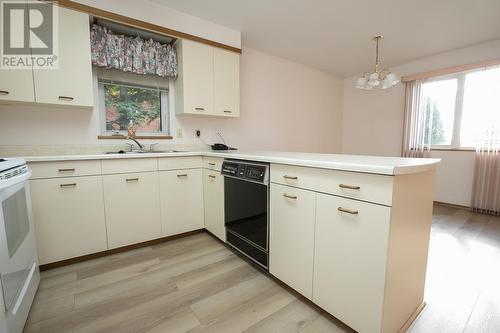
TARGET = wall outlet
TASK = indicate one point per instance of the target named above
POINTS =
(179, 133)
(197, 133)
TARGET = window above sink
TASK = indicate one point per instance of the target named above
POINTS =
(126, 98)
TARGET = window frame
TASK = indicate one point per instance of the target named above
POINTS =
(164, 109)
(457, 115)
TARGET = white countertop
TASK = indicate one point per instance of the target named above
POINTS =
(357, 163)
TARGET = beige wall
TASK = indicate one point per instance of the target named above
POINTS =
(373, 121)
(284, 106)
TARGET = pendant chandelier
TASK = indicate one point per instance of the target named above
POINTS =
(378, 78)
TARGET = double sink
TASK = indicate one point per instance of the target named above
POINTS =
(145, 152)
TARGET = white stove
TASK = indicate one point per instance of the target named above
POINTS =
(9, 163)
(19, 274)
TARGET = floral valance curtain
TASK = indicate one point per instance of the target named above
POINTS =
(131, 54)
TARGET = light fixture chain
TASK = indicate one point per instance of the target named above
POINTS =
(378, 78)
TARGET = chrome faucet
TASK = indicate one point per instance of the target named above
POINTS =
(141, 147)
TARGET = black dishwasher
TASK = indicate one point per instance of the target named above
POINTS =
(246, 208)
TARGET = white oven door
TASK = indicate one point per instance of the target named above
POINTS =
(17, 242)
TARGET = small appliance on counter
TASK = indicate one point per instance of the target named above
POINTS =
(221, 146)
(246, 208)
(19, 273)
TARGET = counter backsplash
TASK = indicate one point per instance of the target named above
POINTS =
(74, 149)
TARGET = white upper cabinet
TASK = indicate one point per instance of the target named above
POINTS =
(194, 85)
(208, 80)
(16, 85)
(226, 83)
(70, 84)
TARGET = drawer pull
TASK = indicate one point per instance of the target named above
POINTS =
(182, 175)
(290, 177)
(199, 109)
(67, 170)
(66, 98)
(348, 211)
(211, 164)
(4, 92)
(350, 187)
(288, 196)
(228, 111)
(132, 179)
(67, 185)
(211, 176)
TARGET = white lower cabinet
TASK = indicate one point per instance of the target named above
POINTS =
(350, 260)
(132, 208)
(292, 237)
(69, 217)
(181, 198)
(213, 194)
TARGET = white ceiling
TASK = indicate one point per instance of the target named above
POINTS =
(335, 35)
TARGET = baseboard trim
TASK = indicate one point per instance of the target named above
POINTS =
(412, 318)
(451, 205)
(86, 257)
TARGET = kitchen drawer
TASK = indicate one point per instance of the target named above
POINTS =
(65, 169)
(212, 163)
(176, 163)
(129, 165)
(356, 185)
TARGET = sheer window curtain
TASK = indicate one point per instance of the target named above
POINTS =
(415, 136)
(486, 184)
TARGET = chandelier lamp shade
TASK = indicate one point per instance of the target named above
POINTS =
(378, 78)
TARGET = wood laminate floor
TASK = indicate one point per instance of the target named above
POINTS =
(196, 284)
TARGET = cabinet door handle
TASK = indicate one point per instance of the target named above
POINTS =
(350, 187)
(66, 98)
(211, 176)
(290, 177)
(228, 111)
(67, 185)
(4, 92)
(288, 196)
(199, 109)
(67, 170)
(182, 175)
(132, 180)
(348, 211)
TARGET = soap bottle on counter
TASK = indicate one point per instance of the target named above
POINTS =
(131, 129)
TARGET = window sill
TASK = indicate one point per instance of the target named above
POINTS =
(453, 149)
(123, 137)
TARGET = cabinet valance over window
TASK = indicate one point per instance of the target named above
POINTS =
(131, 54)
